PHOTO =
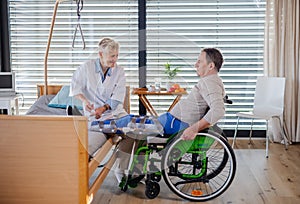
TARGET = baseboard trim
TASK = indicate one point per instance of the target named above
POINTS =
(245, 133)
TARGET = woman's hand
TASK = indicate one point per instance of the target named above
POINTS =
(89, 107)
(99, 111)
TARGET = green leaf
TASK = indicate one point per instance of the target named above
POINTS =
(171, 72)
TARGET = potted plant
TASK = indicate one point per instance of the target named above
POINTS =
(171, 74)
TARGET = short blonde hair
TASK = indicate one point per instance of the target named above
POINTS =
(108, 44)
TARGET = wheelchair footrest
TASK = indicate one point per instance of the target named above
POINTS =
(156, 140)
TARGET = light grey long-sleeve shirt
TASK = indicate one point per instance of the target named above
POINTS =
(209, 92)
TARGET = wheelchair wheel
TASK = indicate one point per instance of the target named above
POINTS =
(200, 169)
(152, 189)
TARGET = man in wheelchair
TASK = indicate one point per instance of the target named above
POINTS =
(196, 165)
(202, 108)
(191, 113)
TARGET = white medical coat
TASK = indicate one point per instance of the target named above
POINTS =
(87, 80)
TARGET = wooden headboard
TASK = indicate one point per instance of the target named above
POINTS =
(54, 89)
(126, 103)
(51, 89)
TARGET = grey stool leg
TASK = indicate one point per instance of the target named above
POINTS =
(267, 141)
(235, 132)
(250, 134)
(285, 139)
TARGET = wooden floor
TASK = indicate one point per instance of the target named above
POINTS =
(258, 180)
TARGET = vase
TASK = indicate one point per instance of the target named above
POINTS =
(169, 84)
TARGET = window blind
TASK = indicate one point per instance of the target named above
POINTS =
(176, 32)
(29, 29)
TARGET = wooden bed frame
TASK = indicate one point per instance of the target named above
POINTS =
(45, 158)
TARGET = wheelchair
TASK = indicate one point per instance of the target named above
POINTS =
(196, 170)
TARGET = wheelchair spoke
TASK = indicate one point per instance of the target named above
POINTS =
(199, 172)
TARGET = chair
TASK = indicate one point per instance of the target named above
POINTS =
(268, 103)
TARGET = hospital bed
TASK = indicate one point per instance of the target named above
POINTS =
(52, 158)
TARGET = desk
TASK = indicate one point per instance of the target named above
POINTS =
(142, 93)
(9, 105)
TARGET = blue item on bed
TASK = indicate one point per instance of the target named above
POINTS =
(62, 99)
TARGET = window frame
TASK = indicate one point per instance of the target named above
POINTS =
(158, 18)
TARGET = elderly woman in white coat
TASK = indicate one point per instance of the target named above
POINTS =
(100, 83)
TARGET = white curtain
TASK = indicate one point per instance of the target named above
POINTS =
(281, 58)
